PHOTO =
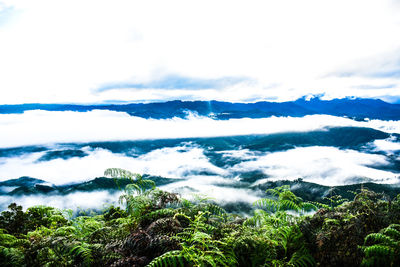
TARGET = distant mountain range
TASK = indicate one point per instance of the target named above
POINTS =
(358, 108)
(28, 185)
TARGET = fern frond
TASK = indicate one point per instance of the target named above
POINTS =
(133, 188)
(289, 195)
(302, 258)
(215, 209)
(121, 173)
(277, 190)
(200, 237)
(186, 204)
(391, 232)
(378, 251)
(288, 205)
(395, 225)
(272, 191)
(12, 255)
(147, 183)
(170, 258)
(65, 231)
(378, 238)
(7, 240)
(266, 203)
(84, 253)
(308, 206)
(20, 243)
(320, 205)
(161, 213)
(368, 262)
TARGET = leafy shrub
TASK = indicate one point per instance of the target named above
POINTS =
(159, 228)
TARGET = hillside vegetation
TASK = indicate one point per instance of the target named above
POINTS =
(158, 228)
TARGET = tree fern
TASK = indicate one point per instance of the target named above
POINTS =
(284, 200)
(136, 205)
(137, 183)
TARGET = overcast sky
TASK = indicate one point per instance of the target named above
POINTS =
(109, 51)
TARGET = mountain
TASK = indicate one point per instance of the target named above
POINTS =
(357, 108)
(29, 186)
(22, 181)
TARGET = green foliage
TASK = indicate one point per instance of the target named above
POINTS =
(83, 254)
(11, 256)
(140, 196)
(45, 216)
(14, 219)
(198, 246)
(335, 201)
(158, 228)
(170, 258)
(284, 200)
(137, 183)
(251, 246)
(383, 248)
(301, 258)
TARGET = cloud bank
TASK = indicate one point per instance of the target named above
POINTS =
(322, 165)
(81, 200)
(196, 172)
(49, 127)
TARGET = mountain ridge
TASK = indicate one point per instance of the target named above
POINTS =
(357, 108)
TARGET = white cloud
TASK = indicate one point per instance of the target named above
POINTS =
(102, 199)
(47, 127)
(184, 162)
(243, 154)
(323, 165)
(56, 51)
(206, 186)
(176, 162)
(74, 201)
(386, 145)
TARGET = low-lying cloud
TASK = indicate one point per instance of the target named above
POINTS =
(49, 127)
(80, 200)
(323, 165)
(176, 162)
(193, 165)
(196, 172)
(388, 145)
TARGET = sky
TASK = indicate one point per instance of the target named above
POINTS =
(239, 51)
